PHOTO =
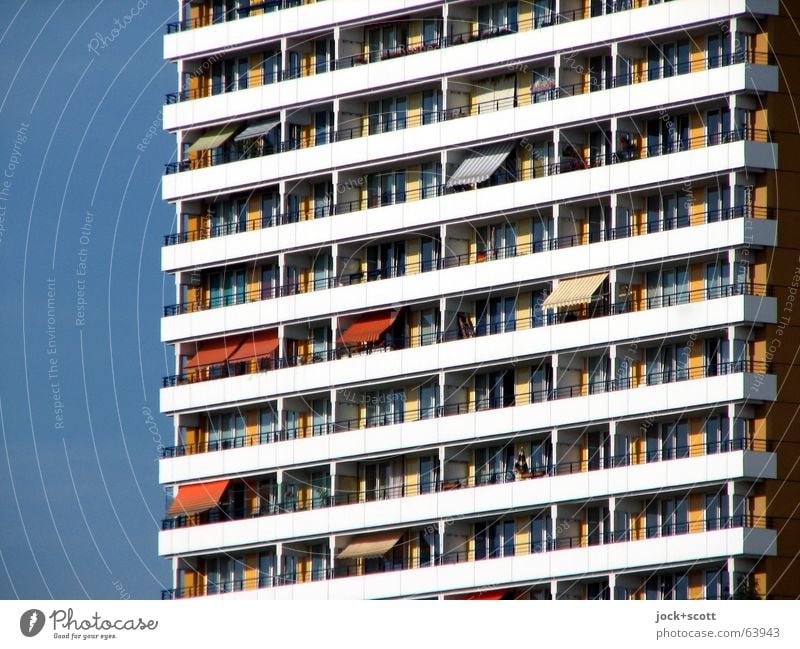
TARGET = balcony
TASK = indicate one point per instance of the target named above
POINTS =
(493, 264)
(538, 95)
(598, 309)
(565, 556)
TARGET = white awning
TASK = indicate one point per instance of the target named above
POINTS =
(480, 164)
(257, 130)
(570, 292)
(213, 138)
(371, 545)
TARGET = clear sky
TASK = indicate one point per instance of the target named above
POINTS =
(81, 222)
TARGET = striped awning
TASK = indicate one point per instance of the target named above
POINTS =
(570, 292)
(196, 498)
(369, 327)
(213, 137)
(213, 352)
(257, 130)
(480, 164)
(371, 545)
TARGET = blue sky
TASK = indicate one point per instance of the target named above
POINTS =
(80, 237)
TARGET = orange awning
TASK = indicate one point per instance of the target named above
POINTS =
(369, 327)
(213, 352)
(490, 594)
(256, 345)
(195, 498)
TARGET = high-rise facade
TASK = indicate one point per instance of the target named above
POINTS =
(482, 300)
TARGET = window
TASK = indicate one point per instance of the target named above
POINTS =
(496, 241)
(493, 540)
(428, 547)
(266, 569)
(429, 250)
(598, 370)
(717, 511)
(667, 517)
(669, 59)
(226, 430)
(320, 408)
(323, 127)
(431, 106)
(431, 32)
(387, 41)
(542, 457)
(719, 50)
(598, 450)
(718, 126)
(497, 18)
(667, 287)
(270, 204)
(386, 188)
(228, 217)
(667, 587)
(388, 115)
(386, 260)
(496, 315)
(718, 434)
(428, 474)
(431, 179)
(272, 67)
(384, 480)
(324, 55)
(717, 584)
(385, 407)
(542, 533)
(494, 390)
(494, 464)
(717, 278)
(290, 569)
(540, 383)
(667, 363)
(428, 401)
(428, 326)
(622, 526)
(291, 423)
(543, 11)
(597, 525)
(268, 425)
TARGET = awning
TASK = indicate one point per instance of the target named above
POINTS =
(371, 545)
(196, 498)
(481, 163)
(257, 130)
(570, 292)
(256, 345)
(490, 594)
(369, 327)
(213, 138)
(213, 352)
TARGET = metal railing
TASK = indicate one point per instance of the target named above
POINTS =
(258, 148)
(597, 309)
(472, 406)
(233, 14)
(453, 557)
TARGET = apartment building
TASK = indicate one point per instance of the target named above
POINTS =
(482, 300)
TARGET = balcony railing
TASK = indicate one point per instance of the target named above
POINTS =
(233, 14)
(453, 557)
(565, 165)
(472, 406)
(274, 506)
(546, 92)
(599, 308)
(456, 261)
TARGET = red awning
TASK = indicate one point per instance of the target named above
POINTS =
(213, 352)
(369, 327)
(195, 498)
(489, 594)
(256, 345)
